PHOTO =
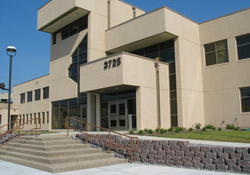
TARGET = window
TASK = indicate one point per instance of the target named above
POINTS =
(27, 118)
(245, 99)
(30, 118)
(37, 94)
(29, 96)
(45, 92)
(43, 118)
(0, 120)
(243, 44)
(22, 98)
(216, 53)
(74, 28)
(79, 57)
(47, 117)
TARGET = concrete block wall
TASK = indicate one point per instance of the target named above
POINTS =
(181, 154)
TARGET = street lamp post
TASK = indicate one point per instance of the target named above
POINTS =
(11, 51)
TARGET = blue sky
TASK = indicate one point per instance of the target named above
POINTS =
(18, 20)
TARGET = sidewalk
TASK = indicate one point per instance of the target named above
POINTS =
(7, 168)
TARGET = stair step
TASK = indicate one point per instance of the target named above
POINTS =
(84, 150)
(43, 138)
(45, 148)
(55, 168)
(60, 159)
(47, 143)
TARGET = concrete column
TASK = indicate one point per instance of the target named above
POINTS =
(91, 113)
(98, 111)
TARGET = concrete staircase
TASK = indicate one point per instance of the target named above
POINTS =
(56, 154)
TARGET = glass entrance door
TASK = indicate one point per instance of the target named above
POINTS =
(118, 115)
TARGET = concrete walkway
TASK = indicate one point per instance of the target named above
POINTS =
(7, 168)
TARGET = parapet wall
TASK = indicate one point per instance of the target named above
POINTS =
(181, 154)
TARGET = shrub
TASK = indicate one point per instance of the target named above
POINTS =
(219, 129)
(171, 129)
(179, 129)
(190, 129)
(141, 132)
(204, 129)
(210, 127)
(145, 130)
(197, 126)
(163, 131)
(232, 127)
(150, 131)
(131, 131)
(157, 130)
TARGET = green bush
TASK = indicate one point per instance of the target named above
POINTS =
(232, 127)
(171, 129)
(190, 129)
(163, 131)
(145, 130)
(210, 127)
(157, 130)
(131, 131)
(204, 129)
(219, 129)
(141, 132)
(197, 126)
(150, 131)
(179, 129)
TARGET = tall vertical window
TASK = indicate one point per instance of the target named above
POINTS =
(243, 44)
(30, 118)
(47, 117)
(0, 120)
(37, 94)
(22, 98)
(29, 96)
(245, 99)
(45, 92)
(79, 57)
(216, 53)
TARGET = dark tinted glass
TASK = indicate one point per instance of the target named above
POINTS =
(173, 107)
(243, 39)
(244, 52)
(139, 52)
(104, 110)
(174, 120)
(167, 45)
(29, 96)
(132, 106)
(210, 47)
(37, 94)
(171, 68)
(167, 55)
(65, 33)
(151, 49)
(245, 92)
(245, 104)
(172, 82)
(210, 58)
(122, 109)
(74, 28)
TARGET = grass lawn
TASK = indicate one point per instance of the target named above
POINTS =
(226, 136)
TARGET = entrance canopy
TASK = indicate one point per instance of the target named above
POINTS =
(120, 72)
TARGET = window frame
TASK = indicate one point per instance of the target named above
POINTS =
(243, 97)
(22, 98)
(46, 92)
(241, 45)
(216, 52)
(29, 96)
(36, 95)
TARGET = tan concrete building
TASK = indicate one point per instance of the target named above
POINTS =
(111, 66)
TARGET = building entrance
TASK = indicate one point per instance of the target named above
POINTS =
(118, 115)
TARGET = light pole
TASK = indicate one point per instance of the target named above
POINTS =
(11, 51)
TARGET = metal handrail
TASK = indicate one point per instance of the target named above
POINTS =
(15, 121)
(21, 126)
(67, 119)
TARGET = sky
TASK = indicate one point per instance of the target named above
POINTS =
(18, 27)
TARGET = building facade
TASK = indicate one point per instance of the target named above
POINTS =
(115, 66)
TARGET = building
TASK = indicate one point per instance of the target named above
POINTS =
(4, 112)
(110, 59)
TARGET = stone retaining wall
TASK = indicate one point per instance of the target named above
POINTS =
(181, 154)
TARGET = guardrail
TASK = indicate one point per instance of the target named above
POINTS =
(21, 126)
(67, 120)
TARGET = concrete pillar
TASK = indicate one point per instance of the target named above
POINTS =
(91, 113)
(98, 111)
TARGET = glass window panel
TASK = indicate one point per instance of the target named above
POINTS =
(243, 39)
(167, 55)
(210, 47)
(245, 92)
(172, 82)
(73, 69)
(83, 62)
(139, 52)
(81, 48)
(74, 78)
(173, 95)
(65, 33)
(113, 110)
(210, 58)
(104, 110)
(173, 107)
(151, 49)
(37, 94)
(73, 102)
(222, 56)
(122, 123)
(113, 123)
(83, 56)
(152, 55)
(55, 115)
(171, 68)
(132, 106)
(104, 122)
(167, 45)
(134, 121)
(74, 28)
(83, 100)
(245, 104)
(74, 59)
(244, 52)
(221, 45)
(85, 45)
(83, 23)
(29, 96)
(174, 120)
(122, 109)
